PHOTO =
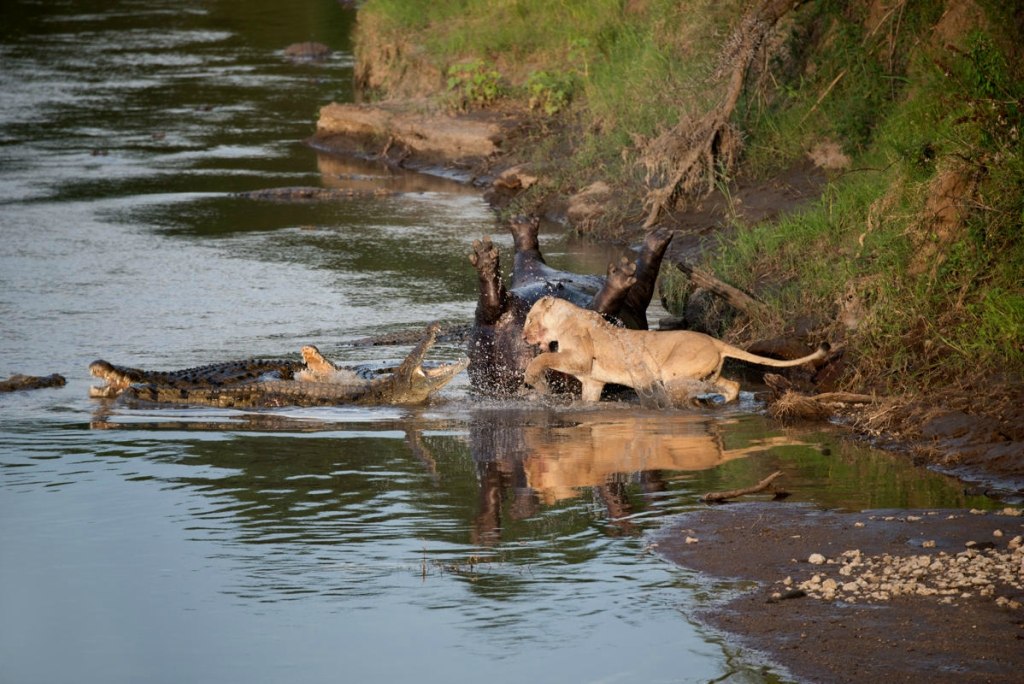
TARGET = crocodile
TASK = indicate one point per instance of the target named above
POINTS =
(315, 381)
(307, 52)
(311, 194)
(120, 378)
(18, 382)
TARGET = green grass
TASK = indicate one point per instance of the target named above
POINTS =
(953, 314)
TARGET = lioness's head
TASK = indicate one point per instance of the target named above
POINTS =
(534, 329)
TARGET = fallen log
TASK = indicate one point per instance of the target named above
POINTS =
(733, 295)
(434, 137)
(715, 497)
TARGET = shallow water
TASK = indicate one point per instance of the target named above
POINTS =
(507, 540)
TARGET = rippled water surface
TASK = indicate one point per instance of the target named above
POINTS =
(466, 538)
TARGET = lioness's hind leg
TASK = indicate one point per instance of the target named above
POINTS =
(730, 389)
(685, 392)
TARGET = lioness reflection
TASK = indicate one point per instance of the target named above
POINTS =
(533, 459)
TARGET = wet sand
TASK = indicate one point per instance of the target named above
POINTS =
(908, 638)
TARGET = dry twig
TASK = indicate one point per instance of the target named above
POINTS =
(764, 484)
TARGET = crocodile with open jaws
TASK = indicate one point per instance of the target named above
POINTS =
(256, 383)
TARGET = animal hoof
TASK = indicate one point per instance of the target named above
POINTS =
(622, 276)
(658, 239)
(524, 231)
(484, 256)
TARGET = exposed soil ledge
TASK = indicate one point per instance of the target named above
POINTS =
(979, 442)
(407, 136)
(978, 638)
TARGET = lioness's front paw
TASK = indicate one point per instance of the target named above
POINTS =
(537, 382)
(531, 393)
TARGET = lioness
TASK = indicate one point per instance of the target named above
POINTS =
(582, 344)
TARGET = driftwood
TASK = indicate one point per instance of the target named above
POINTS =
(713, 497)
(434, 136)
(734, 296)
(786, 403)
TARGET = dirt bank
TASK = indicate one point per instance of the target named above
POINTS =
(958, 619)
(409, 135)
(980, 442)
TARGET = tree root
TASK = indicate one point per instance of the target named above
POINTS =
(694, 153)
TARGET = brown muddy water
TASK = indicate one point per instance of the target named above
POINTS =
(507, 542)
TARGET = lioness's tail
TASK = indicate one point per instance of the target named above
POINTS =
(737, 353)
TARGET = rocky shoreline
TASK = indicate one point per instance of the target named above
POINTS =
(902, 596)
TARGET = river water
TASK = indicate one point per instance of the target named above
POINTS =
(507, 541)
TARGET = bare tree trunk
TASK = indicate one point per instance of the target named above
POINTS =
(735, 296)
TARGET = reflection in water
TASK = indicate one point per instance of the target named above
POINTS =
(543, 459)
(531, 465)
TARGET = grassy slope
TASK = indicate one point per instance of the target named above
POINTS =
(918, 239)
